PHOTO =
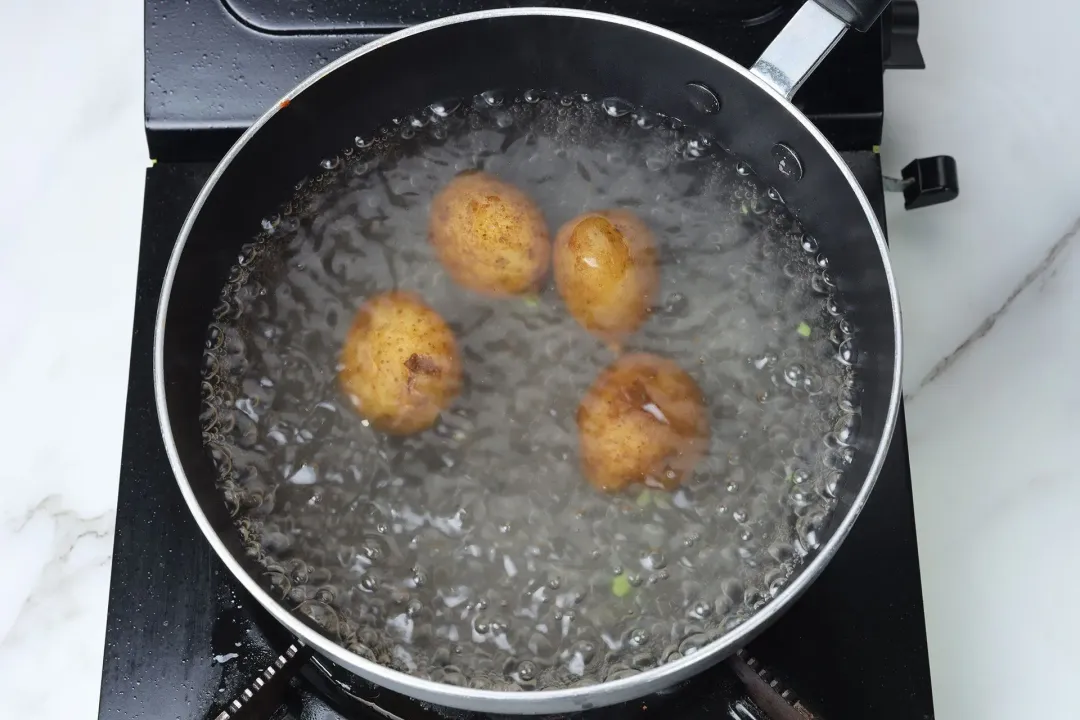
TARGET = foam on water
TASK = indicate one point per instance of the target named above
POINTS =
(475, 553)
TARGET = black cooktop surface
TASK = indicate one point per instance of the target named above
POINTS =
(338, 16)
(217, 65)
(183, 638)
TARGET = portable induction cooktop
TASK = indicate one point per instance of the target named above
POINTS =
(184, 641)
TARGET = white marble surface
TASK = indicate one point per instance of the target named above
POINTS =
(990, 286)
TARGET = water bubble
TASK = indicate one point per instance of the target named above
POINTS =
(845, 429)
(330, 163)
(846, 352)
(809, 244)
(774, 195)
(788, 161)
(699, 146)
(739, 515)
(653, 560)
(829, 484)
(533, 96)
(742, 168)
(526, 670)
(808, 529)
(616, 107)
(703, 98)
(492, 98)
(700, 610)
(445, 108)
(848, 400)
(693, 643)
(646, 120)
(793, 374)
(362, 142)
(638, 637)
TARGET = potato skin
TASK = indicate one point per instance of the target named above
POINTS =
(490, 236)
(643, 420)
(400, 363)
(606, 271)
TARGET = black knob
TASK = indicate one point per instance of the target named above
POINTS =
(930, 181)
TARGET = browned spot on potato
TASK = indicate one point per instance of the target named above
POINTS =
(643, 420)
(400, 363)
(423, 364)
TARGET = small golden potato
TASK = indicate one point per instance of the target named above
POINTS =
(643, 421)
(489, 236)
(606, 271)
(400, 363)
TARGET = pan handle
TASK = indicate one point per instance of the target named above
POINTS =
(811, 33)
(859, 14)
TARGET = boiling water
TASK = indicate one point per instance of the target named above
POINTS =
(474, 553)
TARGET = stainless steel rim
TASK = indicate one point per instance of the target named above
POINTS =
(540, 701)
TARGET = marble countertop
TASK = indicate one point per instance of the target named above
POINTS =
(990, 286)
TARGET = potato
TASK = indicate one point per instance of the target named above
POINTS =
(400, 365)
(606, 272)
(643, 421)
(489, 236)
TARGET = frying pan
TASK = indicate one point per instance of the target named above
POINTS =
(748, 111)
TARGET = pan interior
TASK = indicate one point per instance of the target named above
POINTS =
(474, 553)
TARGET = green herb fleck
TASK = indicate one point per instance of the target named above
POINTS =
(661, 501)
(644, 498)
(532, 301)
(744, 209)
(803, 329)
(620, 586)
